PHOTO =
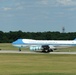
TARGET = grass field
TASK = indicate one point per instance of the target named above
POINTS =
(9, 46)
(37, 64)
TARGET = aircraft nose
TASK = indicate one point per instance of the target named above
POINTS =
(19, 41)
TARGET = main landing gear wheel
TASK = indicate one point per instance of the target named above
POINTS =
(19, 49)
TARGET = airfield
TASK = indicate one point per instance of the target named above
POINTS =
(8, 48)
(29, 52)
(26, 62)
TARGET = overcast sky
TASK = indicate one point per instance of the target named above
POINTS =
(37, 15)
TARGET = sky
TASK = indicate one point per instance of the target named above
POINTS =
(37, 15)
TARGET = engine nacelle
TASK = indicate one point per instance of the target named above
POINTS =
(34, 48)
(52, 47)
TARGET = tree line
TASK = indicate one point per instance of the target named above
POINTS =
(9, 37)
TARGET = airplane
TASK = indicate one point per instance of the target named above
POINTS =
(43, 45)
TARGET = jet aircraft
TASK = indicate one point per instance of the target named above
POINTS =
(43, 45)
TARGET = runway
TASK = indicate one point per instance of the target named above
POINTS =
(29, 52)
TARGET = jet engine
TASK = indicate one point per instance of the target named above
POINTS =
(52, 47)
(43, 48)
(34, 48)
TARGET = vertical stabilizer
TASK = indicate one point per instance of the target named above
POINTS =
(75, 39)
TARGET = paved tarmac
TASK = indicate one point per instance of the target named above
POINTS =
(63, 53)
(29, 52)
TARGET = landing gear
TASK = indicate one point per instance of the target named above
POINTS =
(46, 49)
(19, 49)
(51, 50)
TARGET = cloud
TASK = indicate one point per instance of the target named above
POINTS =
(55, 3)
(72, 9)
(45, 2)
(7, 8)
(67, 2)
(20, 5)
(42, 2)
(15, 7)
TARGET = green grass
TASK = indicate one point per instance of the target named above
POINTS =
(37, 64)
(46, 74)
(67, 49)
(9, 46)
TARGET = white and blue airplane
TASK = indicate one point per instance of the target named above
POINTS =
(43, 45)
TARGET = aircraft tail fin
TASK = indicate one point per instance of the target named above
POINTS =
(75, 39)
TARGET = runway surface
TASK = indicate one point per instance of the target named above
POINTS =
(29, 52)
